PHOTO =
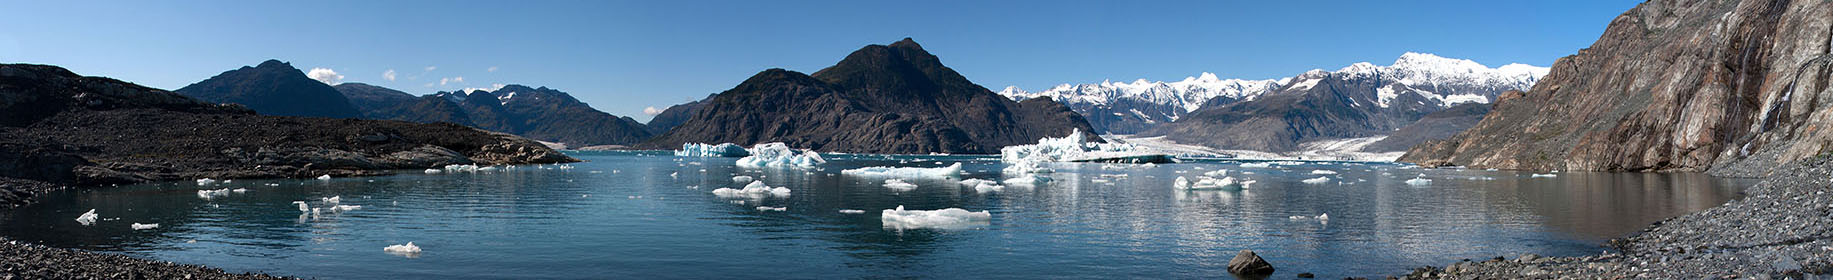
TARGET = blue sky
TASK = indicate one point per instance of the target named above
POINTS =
(623, 56)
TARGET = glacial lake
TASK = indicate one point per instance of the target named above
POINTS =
(651, 215)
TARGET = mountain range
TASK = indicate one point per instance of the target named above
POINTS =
(895, 98)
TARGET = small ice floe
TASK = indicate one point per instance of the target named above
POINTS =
(239, 190)
(710, 150)
(272, 184)
(1492, 169)
(777, 154)
(140, 226)
(987, 187)
(742, 179)
(407, 250)
(302, 206)
(756, 188)
(208, 194)
(434, 171)
(332, 199)
(570, 167)
(1027, 180)
(1323, 172)
(974, 182)
(852, 211)
(1318, 180)
(674, 174)
(456, 168)
(87, 218)
(769, 209)
(899, 185)
(324, 177)
(1256, 165)
(951, 218)
(1319, 217)
(486, 169)
(343, 208)
(1549, 175)
(1217, 173)
(905, 172)
(1210, 183)
(1419, 180)
(205, 182)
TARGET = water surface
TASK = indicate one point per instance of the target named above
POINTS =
(652, 216)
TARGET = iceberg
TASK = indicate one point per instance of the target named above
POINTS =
(433, 171)
(1024, 167)
(208, 194)
(1027, 180)
(905, 172)
(1323, 172)
(1073, 148)
(332, 199)
(710, 150)
(205, 182)
(1543, 175)
(1318, 180)
(239, 190)
(852, 211)
(768, 208)
(87, 218)
(975, 182)
(324, 177)
(1209, 183)
(1256, 165)
(986, 187)
(302, 206)
(899, 185)
(408, 250)
(742, 179)
(779, 155)
(1419, 181)
(951, 218)
(342, 208)
(140, 226)
(756, 188)
(455, 168)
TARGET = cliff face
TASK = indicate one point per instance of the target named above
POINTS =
(879, 99)
(1732, 87)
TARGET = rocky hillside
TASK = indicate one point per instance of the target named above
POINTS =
(539, 113)
(273, 88)
(880, 99)
(1437, 125)
(369, 99)
(61, 129)
(1130, 108)
(675, 115)
(1732, 87)
(1361, 100)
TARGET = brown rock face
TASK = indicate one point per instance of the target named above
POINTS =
(1731, 87)
(1247, 263)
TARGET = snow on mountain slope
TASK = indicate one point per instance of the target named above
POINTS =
(1126, 108)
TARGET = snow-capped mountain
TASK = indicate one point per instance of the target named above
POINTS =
(1127, 108)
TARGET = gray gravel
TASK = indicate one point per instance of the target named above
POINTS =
(21, 260)
(1782, 228)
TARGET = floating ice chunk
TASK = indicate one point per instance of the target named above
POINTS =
(205, 182)
(742, 179)
(342, 208)
(1256, 165)
(570, 167)
(1323, 172)
(1318, 180)
(1543, 175)
(1073, 147)
(1324, 217)
(140, 226)
(455, 168)
(768, 208)
(1217, 173)
(899, 185)
(951, 218)
(710, 150)
(87, 218)
(1492, 169)
(674, 174)
(905, 172)
(1419, 181)
(324, 177)
(1208, 183)
(486, 169)
(302, 206)
(433, 171)
(408, 249)
(779, 155)
(756, 188)
(1027, 180)
(975, 182)
(239, 190)
(1023, 167)
(986, 187)
(852, 211)
(1181, 183)
(332, 199)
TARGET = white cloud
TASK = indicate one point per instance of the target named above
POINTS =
(454, 80)
(430, 68)
(492, 69)
(326, 76)
(651, 110)
(389, 75)
(428, 85)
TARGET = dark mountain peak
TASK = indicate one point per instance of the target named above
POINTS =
(273, 88)
(519, 87)
(907, 43)
(276, 64)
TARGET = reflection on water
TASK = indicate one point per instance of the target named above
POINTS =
(631, 215)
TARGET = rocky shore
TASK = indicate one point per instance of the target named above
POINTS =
(61, 130)
(1782, 228)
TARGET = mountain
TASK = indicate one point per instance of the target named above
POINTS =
(1730, 87)
(61, 129)
(1131, 108)
(273, 88)
(1358, 101)
(675, 115)
(1128, 108)
(369, 98)
(1437, 125)
(540, 113)
(895, 98)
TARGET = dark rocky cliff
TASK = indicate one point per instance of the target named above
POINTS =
(1731, 87)
(894, 98)
(676, 115)
(273, 88)
(539, 113)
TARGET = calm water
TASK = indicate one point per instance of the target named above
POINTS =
(622, 215)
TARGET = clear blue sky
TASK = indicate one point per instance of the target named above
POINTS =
(624, 56)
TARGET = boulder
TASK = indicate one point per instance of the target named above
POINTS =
(1247, 263)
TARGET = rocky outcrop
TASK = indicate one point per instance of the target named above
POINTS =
(273, 88)
(879, 99)
(1730, 87)
(67, 130)
(539, 113)
(675, 115)
(1248, 263)
(1435, 126)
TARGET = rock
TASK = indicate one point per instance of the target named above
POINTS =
(1247, 263)
(1306, 275)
